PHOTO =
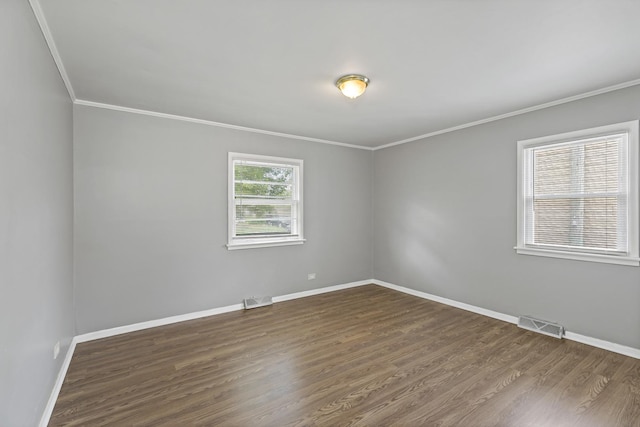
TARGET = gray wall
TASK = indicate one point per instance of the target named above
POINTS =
(36, 214)
(445, 223)
(151, 219)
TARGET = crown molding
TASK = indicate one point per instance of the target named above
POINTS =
(361, 147)
(44, 27)
(46, 32)
(212, 123)
(514, 113)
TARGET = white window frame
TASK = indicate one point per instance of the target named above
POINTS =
(631, 256)
(296, 238)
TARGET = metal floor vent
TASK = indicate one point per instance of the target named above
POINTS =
(541, 326)
(255, 302)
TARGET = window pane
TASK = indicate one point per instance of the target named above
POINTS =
(265, 201)
(263, 219)
(601, 223)
(248, 172)
(601, 167)
(576, 195)
(263, 190)
(588, 223)
(263, 181)
(553, 171)
(583, 168)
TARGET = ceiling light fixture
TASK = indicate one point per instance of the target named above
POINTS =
(352, 85)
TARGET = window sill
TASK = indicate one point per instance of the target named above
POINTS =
(577, 256)
(264, 244)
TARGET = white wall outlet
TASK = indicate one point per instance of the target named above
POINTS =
(56, 350)
(311, 276)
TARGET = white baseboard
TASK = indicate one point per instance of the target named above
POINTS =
(446, 301)
(44, 421)
(53, 397)
(319, 291)
(594, 342)
(105, 333)
(605, 345)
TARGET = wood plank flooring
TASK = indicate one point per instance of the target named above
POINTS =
(366, 356)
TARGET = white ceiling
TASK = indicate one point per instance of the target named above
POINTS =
(271, 65)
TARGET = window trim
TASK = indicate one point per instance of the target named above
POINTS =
(233, 242)
(631, 257)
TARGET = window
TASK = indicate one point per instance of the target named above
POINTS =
(578, 195)
(265, 201)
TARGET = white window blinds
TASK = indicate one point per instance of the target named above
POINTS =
(576, 195)
(264, 198)
(265, 203)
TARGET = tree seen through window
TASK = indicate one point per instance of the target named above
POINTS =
(263, 199)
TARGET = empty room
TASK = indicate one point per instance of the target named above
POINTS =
(320, 213)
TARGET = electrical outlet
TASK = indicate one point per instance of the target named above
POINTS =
(311, 276)
(56, 350)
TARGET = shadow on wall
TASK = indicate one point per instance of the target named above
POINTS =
(415, 242)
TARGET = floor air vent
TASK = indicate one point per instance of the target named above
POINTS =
(255, 302)
(541, 326)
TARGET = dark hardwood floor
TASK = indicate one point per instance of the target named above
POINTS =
(366, 356)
